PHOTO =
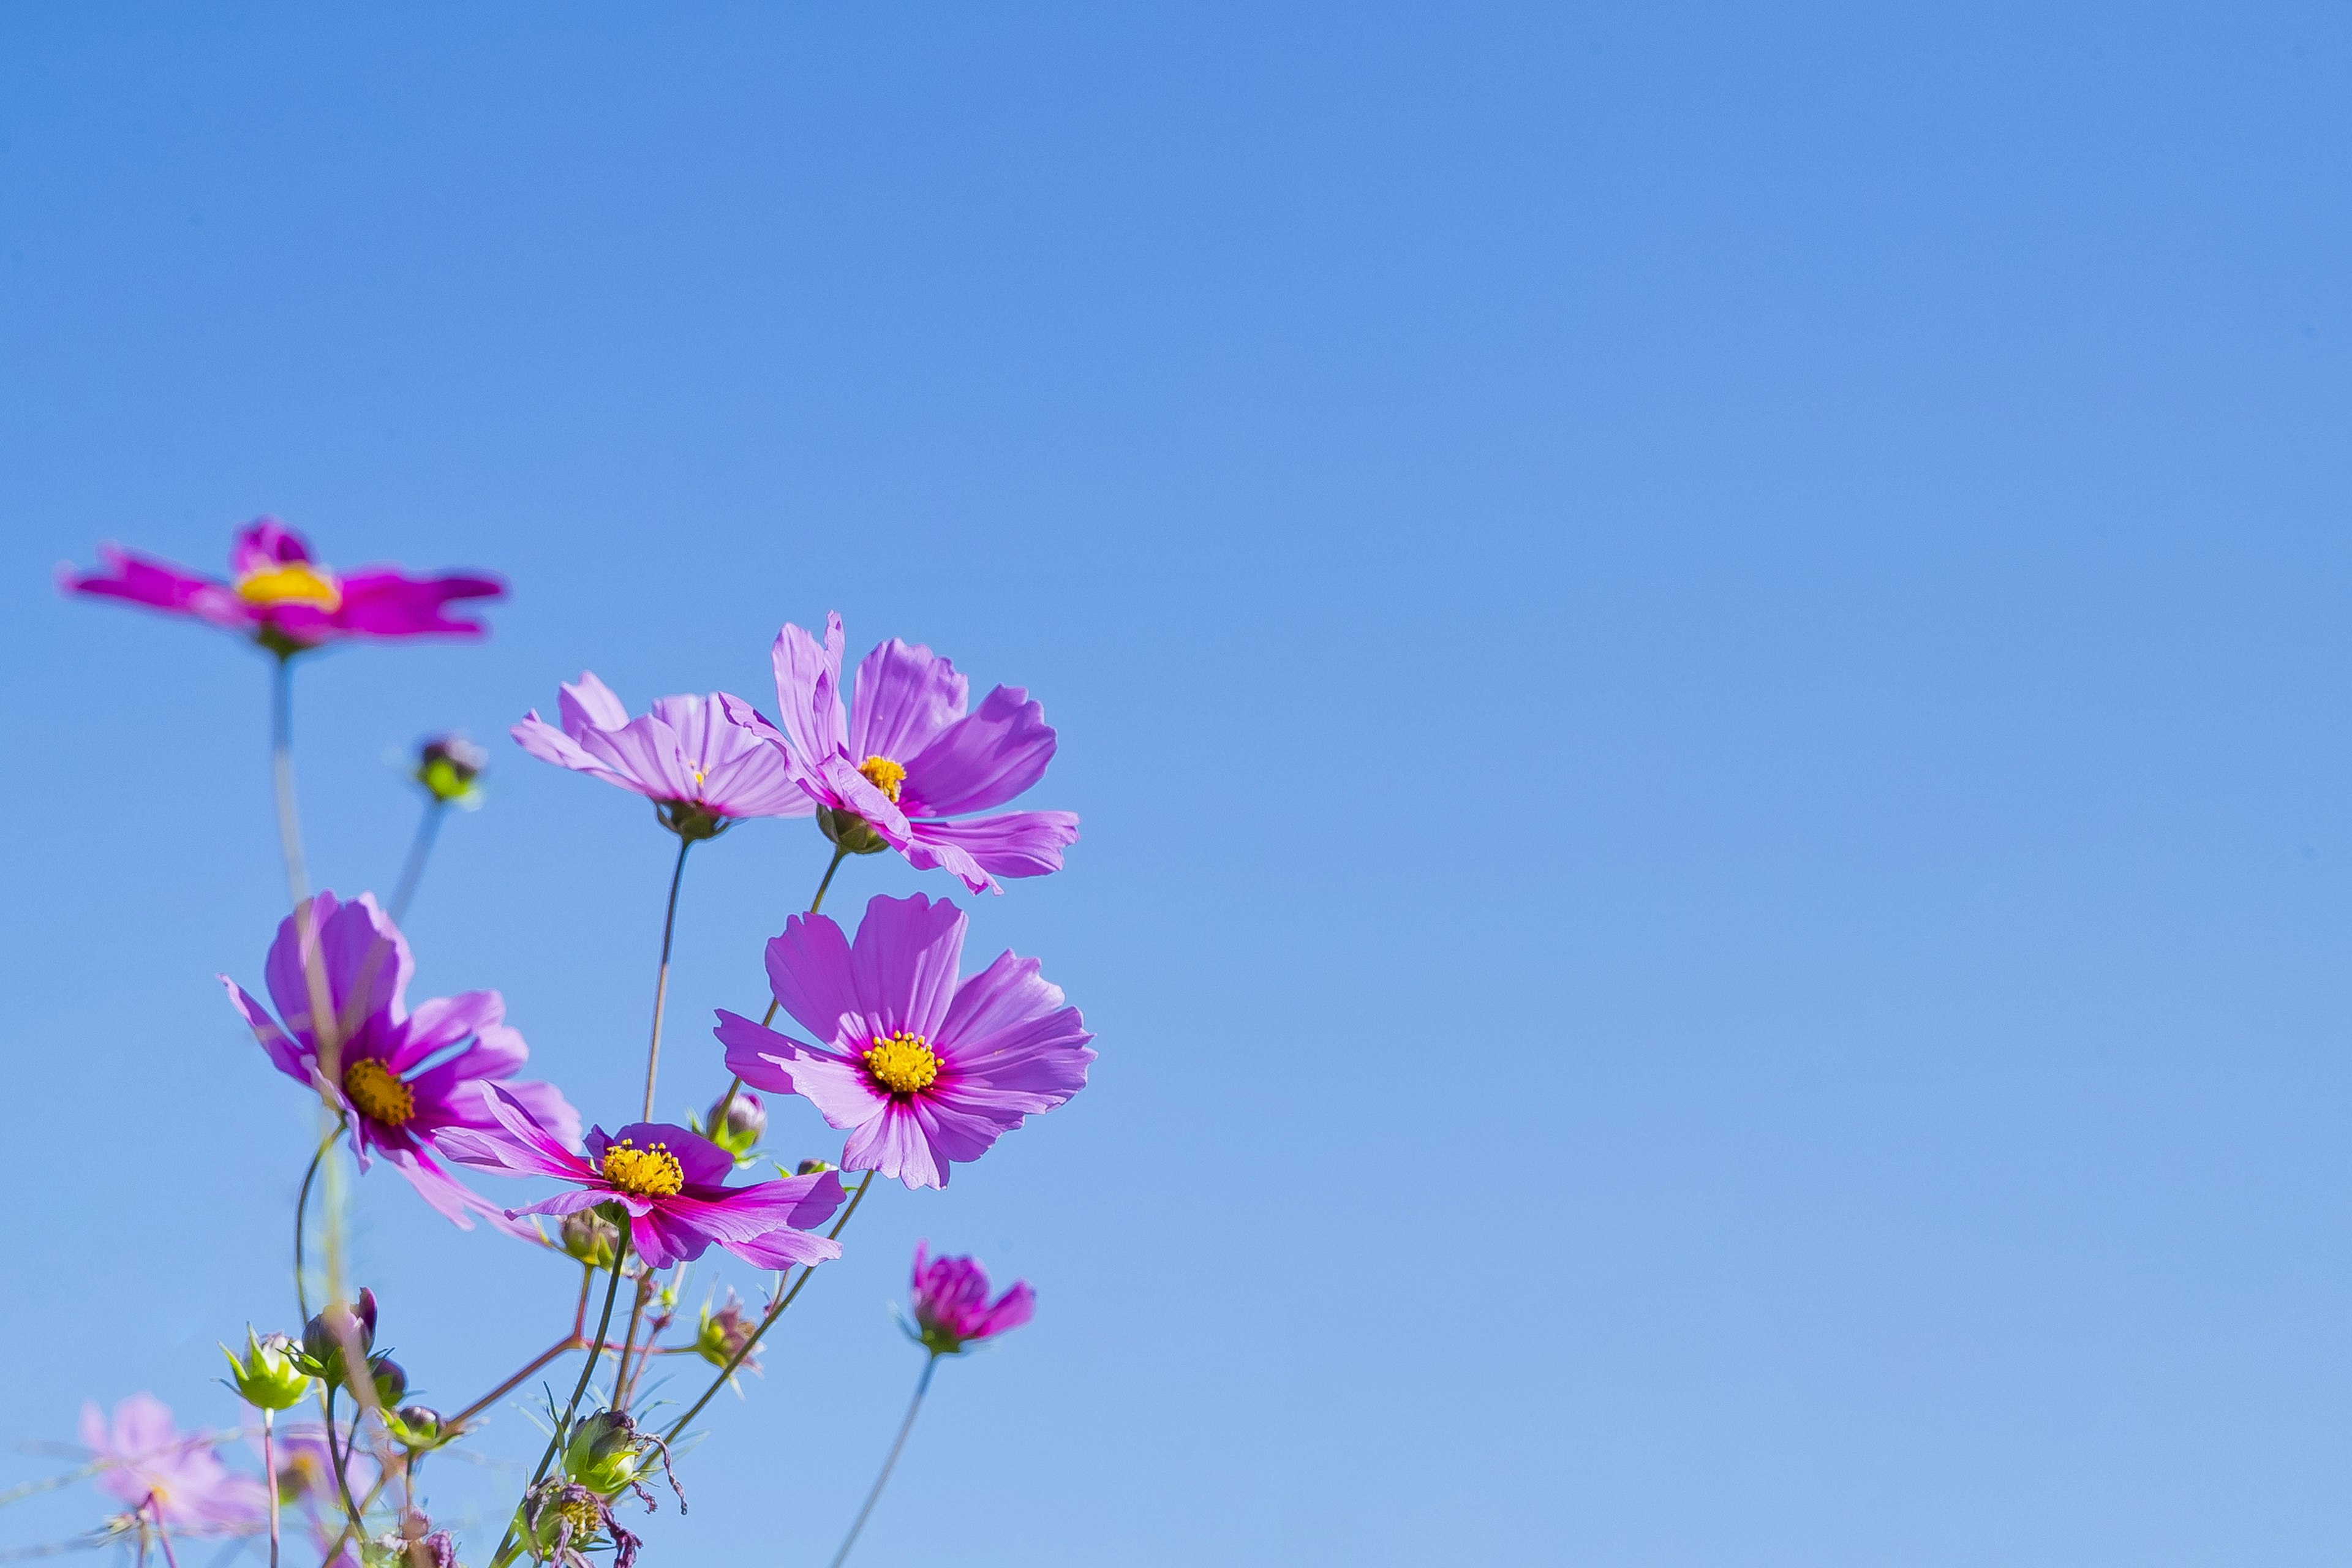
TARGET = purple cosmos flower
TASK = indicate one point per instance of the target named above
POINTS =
(910, 757)
(951, 1306)
(923, 1069)
(671, 1183)
(407, 1078)
(174, 1478)
(700, 766)
(284, 600)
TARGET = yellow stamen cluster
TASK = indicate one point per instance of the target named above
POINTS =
(653, 1173)
(884, 774)
(290, 582)
(379, 1096)
(902, 1063)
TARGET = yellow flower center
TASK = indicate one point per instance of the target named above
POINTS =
(292, 583)
(884, 774)
(653, 1173)
(380, 1096)
(902, 1063)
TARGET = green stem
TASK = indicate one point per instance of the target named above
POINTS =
(765, 1322)
(587, 1370)
(269, 1465)
(302, 1209)
(922, 1386)
(839, 854)
(419, 851)
(661, 979)
(339, 1460)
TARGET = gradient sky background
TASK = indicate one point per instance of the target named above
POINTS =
(1703, 652)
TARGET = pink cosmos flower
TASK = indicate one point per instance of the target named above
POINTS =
(922, 1070)
(671, 1182)
(174, 1478)
(284, 599)
(951, 1306)
(702, 768)
(407, 1078)
(907, 757)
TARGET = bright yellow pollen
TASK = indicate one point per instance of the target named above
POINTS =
(654, 1173)
(293, 582)
(902, 1063)
(885, 775)
(380, 1096)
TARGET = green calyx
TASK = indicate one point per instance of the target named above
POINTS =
(268, 1376)
(850, 832)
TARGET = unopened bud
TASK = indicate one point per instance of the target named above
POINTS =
(391, 1381)
(724, 1333)
(813, 1168)
(603, 1454)
(740, 1125)
(324, 1336)
(415, 1427)
(269, 1376)
(448, 765)
(592, 1238)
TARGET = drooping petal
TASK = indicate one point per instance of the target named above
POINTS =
(982, 761)
(903, 963)
(290, 1058)
(526, 1150)
(904, 697)
(549, 744)
(1011, 844)
(784, 1248)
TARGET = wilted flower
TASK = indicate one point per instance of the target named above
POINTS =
(922, 1070)
(668, 1180)
(266, 1377)
(702, 769)
(561, 1519)
(284, 600)
(952, 1310)
(173, 1478)
(908, 756)
(448, 765)
(402, 1084)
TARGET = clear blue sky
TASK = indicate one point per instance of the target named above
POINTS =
(1704, 651)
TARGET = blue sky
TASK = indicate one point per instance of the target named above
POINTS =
(1702, 649)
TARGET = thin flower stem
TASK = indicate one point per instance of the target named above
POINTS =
(428, 828)
(628, 1340)
(773, 1312)
(269, 1465)
(718, 1117)
(587, 1370)
(339, 1461)
(49, 1484)
(922, 1386)
(302, 1209)
(661, 979)
(573, 1341)
(163, 1536)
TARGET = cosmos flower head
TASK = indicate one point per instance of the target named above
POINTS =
(171, 1479)
(283, 598)
(905, 766)
(921, 1069)
(703, 769)
(668, 1180)
(405, 1079)
(952, 1312)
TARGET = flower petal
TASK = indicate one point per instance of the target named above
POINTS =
(982, 761)
(903, 963)
(904, 697)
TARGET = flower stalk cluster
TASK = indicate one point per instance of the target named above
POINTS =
(918, 1066)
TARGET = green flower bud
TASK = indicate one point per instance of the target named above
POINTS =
(447, 767)
(416, 1426)
(590, 1237)
(391, 1381)
(270, 1376)
(745, 1120)
(724, 1332)
(323, 1337)
(813, 1168)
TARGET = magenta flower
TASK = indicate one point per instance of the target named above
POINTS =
(408, 1078)
(671, 1182)
(284, 600)
(922, 1070)
(910, 757)
(173, 1478)
(702, 768)
(951, 1306)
